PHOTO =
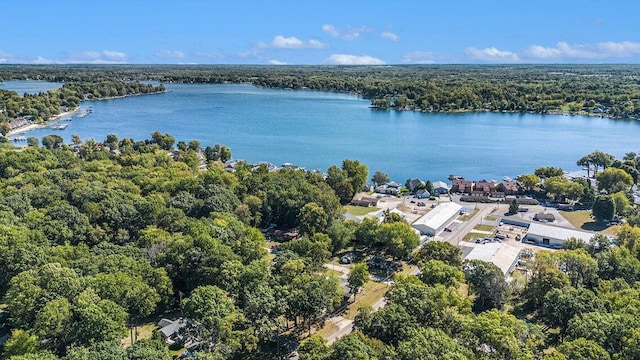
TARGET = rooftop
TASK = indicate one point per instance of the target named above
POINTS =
(501, 254)
(557, 232)
(439, 215)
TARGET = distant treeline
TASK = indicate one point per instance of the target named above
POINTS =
(605, 90)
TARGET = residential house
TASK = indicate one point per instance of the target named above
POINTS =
(365, 201)
(415, 184)
(282, 235)
(461, 185)
(440, 188)
(422, 194)
(391, 188)
(510, 187)
(170, 330)
(486, 187)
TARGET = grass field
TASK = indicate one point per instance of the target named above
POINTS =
(484, 227)
(328, 329)
(490, 218)
(472, 235)
(581, 219)
(144, 331)
(332, 272)
(359, 210)
(371, 292)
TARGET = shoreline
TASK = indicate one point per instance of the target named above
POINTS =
(57, 118)
(53, 119)
(125, 96)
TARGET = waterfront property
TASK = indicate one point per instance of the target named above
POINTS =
(440, 188)
(315, 129)
(437, 219)
(390, 188)
(365, 201)
(554, 236)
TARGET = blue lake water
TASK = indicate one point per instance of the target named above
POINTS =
(29, 86)
(319, 129)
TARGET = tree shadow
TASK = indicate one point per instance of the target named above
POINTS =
(594, 226)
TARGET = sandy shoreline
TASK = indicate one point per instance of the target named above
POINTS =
(51, 120)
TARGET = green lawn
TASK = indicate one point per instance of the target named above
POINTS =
(359, 210)
(371, 292)
(490, 218)
(581, 219)
(144, 331)
(484, 227)
(472, 235)
(332, 272)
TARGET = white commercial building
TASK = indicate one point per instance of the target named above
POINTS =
(554, 236)
(502, 255)
(437, 219)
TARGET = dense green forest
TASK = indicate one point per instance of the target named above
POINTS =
(41, 107)
(95, 243)
(603, 90)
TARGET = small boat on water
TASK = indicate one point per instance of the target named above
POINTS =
(60, 126)
(19, 138)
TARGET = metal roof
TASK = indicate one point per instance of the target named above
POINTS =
(437, 217)
(556, 232)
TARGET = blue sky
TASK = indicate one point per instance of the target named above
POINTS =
(319, 32)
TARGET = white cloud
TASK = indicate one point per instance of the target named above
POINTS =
(116, 55)
(5, 56)
(390, 36)
(419, 57)
(95, 57)
(492, 55)
(602, 50)
(331, 30)
(346, 59)
(277, 62)
(282, 42)
(41, 61)
(169, 54)
(348, 33)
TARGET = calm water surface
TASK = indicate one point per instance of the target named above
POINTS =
(319, 129)
(29, 86)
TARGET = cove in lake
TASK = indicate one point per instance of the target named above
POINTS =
(319, 129)
(29, 86)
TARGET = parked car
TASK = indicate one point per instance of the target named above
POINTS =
(347, 258)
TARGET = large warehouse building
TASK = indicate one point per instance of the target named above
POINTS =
(437, 219)
(554, 236)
